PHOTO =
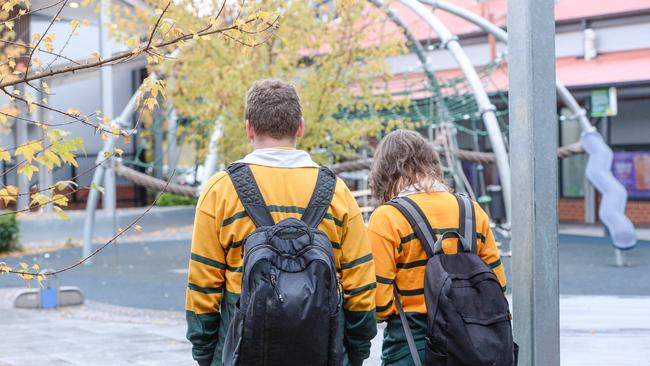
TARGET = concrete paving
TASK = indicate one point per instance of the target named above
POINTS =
(136, 292)
(595, 331)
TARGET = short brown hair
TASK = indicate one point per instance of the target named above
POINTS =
(273, 108)
(403, 158)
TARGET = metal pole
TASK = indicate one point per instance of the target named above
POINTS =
(534, 136)
(105, 51)
(211, 161)
(106, 80)
(44, 176)
(486, 108)
(590, 203)
(158, 134)
(98, 176)
(171, 139)
(22, 136)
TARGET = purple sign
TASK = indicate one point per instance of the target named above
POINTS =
(632, 169)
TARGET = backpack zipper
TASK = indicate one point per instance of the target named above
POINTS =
(273, 279)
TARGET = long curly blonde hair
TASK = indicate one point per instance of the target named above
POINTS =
(403, 158)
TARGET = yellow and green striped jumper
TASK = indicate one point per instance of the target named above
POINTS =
(399, 258)
(215, 269)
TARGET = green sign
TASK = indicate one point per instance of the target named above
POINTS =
(604, 103)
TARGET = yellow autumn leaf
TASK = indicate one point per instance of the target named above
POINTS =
(4, 155)
(13, 190)
(40, 279)
(137, 228)
(60, 200)
(39, 199)
(60, 213)
(150, 103)
(27, 170)
(6, 196)
(119, 151)
(28, 150)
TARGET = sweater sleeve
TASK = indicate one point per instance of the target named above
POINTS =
(205, 281)
(358, 279)
(384, 250)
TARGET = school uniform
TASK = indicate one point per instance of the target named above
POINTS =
(286, 178)
(400, 260)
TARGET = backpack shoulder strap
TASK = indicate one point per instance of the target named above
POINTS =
(413, 349)
(321, 198)
(249, 194)
(417, 220)
(467, 223)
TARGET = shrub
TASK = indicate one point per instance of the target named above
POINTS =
(9, 233)
(170, 199)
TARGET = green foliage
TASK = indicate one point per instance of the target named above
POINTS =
(9, 232)
(170, 199)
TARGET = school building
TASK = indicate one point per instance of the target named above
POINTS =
(602, 56)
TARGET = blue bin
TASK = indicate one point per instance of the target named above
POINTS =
(49, 298)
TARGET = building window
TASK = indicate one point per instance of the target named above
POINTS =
(572, 169)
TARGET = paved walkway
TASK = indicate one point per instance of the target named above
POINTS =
(604, 309)
(595, 331)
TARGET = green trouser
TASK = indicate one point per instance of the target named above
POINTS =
(405, 361)
(395, 349)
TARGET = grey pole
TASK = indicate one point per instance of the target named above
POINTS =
(171, 140)
(158, 137)
(212, 160)
(44, 176)
(22, 137)
(98, 176)
(533, 141)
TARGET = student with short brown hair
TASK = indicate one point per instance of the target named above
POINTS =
(405, 164)
(285, 178)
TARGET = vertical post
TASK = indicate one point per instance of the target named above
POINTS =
(44, 176)
(106, 52)
(212, 160)
(22, 136)
(590, 203)
(171, 139)
(533, 140)
(106, 80)
(158, 136)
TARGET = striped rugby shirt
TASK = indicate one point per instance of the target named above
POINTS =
(221, 225)
(399, 258)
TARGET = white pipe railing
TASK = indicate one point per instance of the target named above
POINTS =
(486, 108)
(102, 164)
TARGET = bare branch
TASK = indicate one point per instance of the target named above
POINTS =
(31, 54)
(122, 55)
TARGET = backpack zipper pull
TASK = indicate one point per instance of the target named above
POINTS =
(274, 284)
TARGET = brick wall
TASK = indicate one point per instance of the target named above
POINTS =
(639, 212)
(573, 210)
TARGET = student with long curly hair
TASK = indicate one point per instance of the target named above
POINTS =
(405, 164)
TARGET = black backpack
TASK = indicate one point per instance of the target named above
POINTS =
(288, 312)
(468, 318)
